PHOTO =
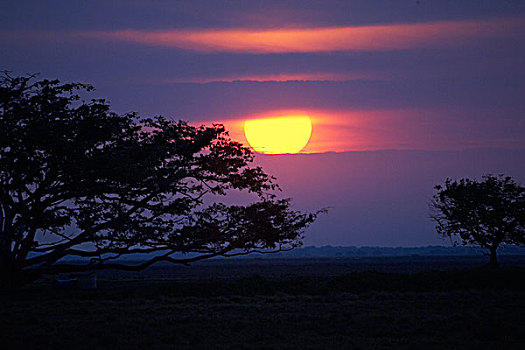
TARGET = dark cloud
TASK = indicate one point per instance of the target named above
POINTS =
(161, 14)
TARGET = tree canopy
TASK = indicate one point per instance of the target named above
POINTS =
(77, 179)
(486, 213)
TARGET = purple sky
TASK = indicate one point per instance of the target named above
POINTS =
(402, 93)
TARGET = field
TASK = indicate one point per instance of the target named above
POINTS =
(372, 303)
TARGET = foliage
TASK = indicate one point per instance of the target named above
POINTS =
(487, 213)
(77, 179)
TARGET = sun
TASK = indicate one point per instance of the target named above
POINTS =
(278, 135)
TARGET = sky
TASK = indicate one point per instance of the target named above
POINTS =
(402, 94)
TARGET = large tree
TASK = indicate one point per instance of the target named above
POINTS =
(79, 180)
(485, 213)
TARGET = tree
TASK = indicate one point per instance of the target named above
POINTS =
(487, 213)
(78, 180)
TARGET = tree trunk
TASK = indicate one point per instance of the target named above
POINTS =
(13, 277)
(493, 261)
(7, 276)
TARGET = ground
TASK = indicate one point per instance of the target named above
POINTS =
(279, 304)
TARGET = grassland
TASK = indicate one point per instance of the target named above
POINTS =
(383, 303)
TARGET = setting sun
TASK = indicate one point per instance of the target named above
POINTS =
(286, 134)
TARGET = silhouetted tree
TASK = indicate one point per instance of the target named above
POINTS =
(487, 213)
(77, 179)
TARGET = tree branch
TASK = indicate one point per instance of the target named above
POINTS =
(65, 268)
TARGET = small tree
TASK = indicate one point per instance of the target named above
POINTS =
(487, 213)
(78, 180)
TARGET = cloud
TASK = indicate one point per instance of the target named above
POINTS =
(282, 77)
(320, 39)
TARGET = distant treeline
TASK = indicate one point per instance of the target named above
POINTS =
(330, 251)
(359, 252)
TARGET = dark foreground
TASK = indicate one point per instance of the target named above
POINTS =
(407, 303)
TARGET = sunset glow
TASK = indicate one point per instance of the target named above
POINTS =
(280, 135)
(320, 39)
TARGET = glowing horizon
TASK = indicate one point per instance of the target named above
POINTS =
(371, 130)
